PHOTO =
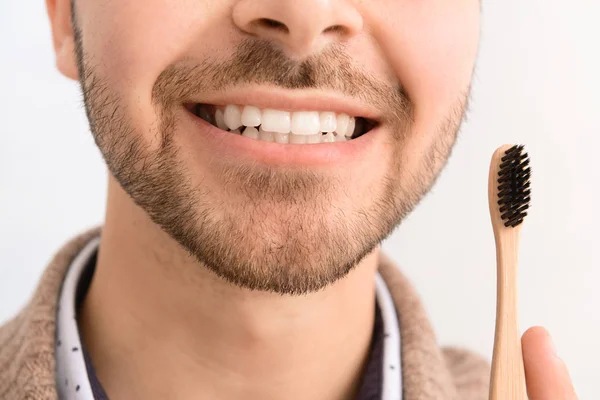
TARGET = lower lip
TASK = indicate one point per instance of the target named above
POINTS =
(238, 147)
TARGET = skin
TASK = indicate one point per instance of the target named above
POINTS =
(546, 374)
(234, 279)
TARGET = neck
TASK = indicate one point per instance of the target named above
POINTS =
(157, 324)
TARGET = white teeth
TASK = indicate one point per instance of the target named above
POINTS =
(232, 116)
(265, 136)
(281, 138)
(350, 128)
(289, 138)
(342, 123)
(297, 127)
(276, 121)
(314, 138)
(251, 116)
(220, 120)
(328, 138)
(298, 139)
(327, 121)
(251, 132)
(305, 122)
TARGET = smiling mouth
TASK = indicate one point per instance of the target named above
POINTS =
(284, 127)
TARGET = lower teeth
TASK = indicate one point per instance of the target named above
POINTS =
(285, 138)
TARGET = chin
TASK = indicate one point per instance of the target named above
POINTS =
(282, 250)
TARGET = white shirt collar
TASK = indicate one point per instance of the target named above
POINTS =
(72, 378)
(71, 373)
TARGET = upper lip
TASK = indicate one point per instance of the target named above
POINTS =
(290, 100)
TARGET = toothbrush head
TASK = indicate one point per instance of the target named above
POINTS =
(514, 192)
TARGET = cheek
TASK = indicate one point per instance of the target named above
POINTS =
(129, 43)
(431, 45)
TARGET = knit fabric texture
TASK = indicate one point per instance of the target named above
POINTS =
(429, 372)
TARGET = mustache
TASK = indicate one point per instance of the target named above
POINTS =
(261, 62)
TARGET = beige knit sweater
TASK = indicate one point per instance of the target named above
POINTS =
(429, 372)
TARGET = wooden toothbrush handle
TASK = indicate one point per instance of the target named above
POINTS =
(508, 374)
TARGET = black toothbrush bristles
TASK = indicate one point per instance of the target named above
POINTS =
(514, 192)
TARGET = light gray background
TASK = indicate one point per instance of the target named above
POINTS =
(537, 83)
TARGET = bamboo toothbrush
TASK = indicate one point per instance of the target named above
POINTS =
(509, 196)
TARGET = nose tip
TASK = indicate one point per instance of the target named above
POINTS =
(299, 27)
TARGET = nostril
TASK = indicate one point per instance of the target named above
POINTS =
(272, 24)
(339, 29)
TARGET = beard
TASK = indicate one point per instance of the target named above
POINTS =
(268, 228)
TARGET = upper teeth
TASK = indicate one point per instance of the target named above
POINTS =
(285, 122)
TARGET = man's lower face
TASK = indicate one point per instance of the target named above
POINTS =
(285, 199)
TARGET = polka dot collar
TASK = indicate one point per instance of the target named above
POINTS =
(73, 381)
